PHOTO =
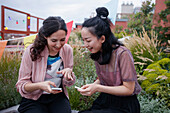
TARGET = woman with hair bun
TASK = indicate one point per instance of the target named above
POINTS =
(117, 78)
(45, 67)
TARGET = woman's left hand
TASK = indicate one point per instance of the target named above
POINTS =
(88, 89)
(67, 73)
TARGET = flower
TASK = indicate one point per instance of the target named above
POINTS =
(161, 77)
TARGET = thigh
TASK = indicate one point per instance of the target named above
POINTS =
(60, 105)
(31, 106)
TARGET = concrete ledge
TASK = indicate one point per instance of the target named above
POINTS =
(14, 110)
(10, 110)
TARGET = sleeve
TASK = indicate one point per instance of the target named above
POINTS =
(24, 72)
(69, 61)
(127, 68)
(97, 68)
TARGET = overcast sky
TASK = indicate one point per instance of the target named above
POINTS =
(69, 10)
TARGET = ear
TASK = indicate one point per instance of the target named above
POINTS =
(102, 38)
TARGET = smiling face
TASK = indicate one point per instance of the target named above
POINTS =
(91, 41)
(56, 41)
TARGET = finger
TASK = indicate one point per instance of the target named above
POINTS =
(59, 72)
(79, 89)
(70, 77)
(85, 86)
(56, 91)
(52, 83)
(83, 90)
(49, 89)
(67, 75)
(85, 94)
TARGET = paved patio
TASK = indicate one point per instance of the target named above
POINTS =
(14, 110)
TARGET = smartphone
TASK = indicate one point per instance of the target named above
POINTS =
(58, 89)
(77, 87)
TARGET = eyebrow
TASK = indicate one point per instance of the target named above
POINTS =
(63, 38)
(60, 39)
(86, 38)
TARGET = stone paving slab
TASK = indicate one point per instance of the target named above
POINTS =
(14, 110)
(10, 110)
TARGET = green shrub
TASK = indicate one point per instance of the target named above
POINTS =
(117, 29)
(141, 19)
(119, 35)
(78, 101)
(158, 79)
(75, 38)
(143, 49)
(162, 28)
(150, 105)
(85, 72)
(9, 66)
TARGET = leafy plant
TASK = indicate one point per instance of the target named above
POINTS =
(158, 79)
(85, 72)
(9, 66)
(78, 101)
(143, 49)
(162, 24)
(142, 19)
(150, 105)
(75, 38)
(117, 29)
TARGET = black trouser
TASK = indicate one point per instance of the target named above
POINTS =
(47, 103)
(107, 103)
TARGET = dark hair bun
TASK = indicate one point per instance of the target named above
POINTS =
(102, 12)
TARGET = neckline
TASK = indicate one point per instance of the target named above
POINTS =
(53, 56)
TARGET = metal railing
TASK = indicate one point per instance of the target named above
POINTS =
(27, 32)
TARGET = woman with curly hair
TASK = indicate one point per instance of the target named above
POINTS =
(45, 67)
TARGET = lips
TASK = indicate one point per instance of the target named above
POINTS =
(57, 48)
(90, 49)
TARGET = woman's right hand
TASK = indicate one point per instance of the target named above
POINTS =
(45, 86)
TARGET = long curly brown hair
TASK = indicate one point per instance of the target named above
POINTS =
(50, 25)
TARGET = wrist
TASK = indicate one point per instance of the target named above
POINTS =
(30, 87)
(38, 85)
(97, 87)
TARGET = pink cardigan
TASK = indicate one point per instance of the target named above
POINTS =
(35, 71)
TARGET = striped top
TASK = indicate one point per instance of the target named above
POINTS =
(35, 71)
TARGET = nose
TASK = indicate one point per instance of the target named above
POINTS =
(85, 44)
(58, 44)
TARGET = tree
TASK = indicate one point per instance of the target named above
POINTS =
(162, 27)
(142, 19)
